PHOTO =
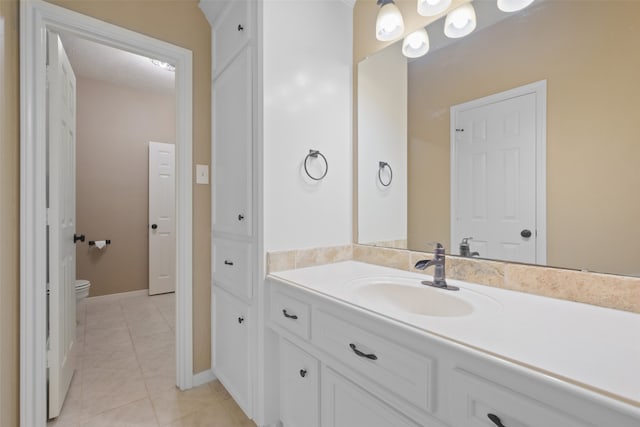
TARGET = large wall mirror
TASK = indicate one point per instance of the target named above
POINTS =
(586, 55)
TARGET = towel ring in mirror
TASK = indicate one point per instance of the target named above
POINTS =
(315, 154)
(382, 166)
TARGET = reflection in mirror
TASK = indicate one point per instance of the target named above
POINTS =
(590, 60)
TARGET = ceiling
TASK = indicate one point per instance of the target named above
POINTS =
(104, 63)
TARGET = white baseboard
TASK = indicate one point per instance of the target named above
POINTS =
(203, 377)
(119, 296)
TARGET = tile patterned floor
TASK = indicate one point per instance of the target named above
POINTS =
(125, 374)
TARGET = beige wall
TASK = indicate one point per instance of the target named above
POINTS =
(592, 152)
(179, 22)
(9, 214)
(115, 125)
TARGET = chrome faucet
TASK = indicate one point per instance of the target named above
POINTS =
(439, 279)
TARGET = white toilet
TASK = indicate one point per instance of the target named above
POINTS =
(82, 289)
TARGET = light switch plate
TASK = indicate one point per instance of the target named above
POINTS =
(202, 174)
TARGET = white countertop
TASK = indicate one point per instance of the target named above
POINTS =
(591, 346)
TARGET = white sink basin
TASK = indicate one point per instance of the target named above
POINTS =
(426, 301)
(409, 296)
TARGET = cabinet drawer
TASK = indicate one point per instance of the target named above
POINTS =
(231, 32)
(477, 400)
(406, 373)
(299, 387)
(291, 314)
(232, 267)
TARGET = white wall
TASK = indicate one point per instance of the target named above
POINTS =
(307, 72)
(382, 136)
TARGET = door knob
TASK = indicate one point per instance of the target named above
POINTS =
(76, 238)
(525, 233)
(154, 226)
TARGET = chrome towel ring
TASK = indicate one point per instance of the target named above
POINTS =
(314, 154)
(382, 166)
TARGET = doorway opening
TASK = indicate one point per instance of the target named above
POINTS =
(36, 19)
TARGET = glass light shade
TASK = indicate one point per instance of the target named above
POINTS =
(513, 5)
(432, 7)
(416, 44)
(389, 24)
(460, 21)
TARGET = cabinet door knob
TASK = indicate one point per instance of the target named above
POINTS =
(361, 354)
(303, 373)
(240, 27)
(496, 420)
(526, 233)
(240, 319)
(289, 316)
(154, 226)
(240, 217)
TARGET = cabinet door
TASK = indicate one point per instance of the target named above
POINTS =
(299, 387)
(230, 33)
(231, 345)
(344, 404)
(232, 142)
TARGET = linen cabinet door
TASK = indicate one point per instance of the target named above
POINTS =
(231, 345)
(299, 387)
(232, 152)
(344, 404)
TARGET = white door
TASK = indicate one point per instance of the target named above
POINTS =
(162, 236)
(61, 114)
(494, 178)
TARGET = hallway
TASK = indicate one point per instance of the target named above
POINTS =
(125, 372)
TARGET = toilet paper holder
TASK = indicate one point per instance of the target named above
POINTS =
(93, 242)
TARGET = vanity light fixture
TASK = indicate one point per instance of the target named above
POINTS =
(163, 65)
(416, 44)
(433, 7)
(389, 24)
(460, 21)
(513, 5)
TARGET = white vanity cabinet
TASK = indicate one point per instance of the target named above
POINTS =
(375, 371)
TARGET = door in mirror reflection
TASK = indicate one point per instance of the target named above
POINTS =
(493, 177)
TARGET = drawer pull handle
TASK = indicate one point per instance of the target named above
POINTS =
(228, 262)
(496, 420)
(240, 27)
(240, 319)
(289, 316)
(240, 217)
(303, 373)
(361, 354)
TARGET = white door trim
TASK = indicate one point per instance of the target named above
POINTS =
(538, 88)
(36, 17)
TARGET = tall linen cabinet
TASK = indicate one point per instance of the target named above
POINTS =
(281, 85)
